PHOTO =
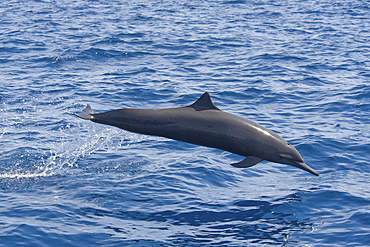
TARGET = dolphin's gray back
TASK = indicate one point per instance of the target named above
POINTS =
(206, 127)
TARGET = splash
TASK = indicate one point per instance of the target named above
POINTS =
(62, 155)
(27, 174)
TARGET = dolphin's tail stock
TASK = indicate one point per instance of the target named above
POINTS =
(86, 113)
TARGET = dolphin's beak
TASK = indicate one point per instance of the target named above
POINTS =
(305, 167)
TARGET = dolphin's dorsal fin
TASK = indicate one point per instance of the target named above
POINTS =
(204, 103)
(247, 162)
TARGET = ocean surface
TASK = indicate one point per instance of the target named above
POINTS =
(299, 68)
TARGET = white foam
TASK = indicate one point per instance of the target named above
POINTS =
(19, 175)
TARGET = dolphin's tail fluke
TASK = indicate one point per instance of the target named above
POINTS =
(86, 113)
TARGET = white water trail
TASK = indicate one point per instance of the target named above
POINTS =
(62, 155)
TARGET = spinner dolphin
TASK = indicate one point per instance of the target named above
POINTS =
(202, 123)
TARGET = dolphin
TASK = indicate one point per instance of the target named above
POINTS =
(202, 123)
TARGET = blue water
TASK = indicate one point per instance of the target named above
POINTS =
(299, 68)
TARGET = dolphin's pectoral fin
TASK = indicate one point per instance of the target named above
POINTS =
(86, 113)
(247, 162)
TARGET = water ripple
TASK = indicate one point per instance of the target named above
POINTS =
(299, 68)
